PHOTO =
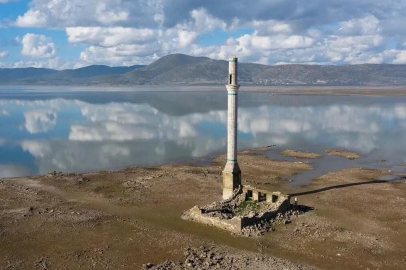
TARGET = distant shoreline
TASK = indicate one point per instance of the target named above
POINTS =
(276, 90)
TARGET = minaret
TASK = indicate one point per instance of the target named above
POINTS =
(232, 172)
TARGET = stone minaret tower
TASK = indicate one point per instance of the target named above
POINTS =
(232, 172)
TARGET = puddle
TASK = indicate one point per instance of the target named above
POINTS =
(327, 164)
(392, 178)
(398, 169)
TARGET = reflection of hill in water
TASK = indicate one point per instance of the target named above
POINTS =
(183, 103)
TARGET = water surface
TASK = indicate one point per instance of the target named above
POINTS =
(79, 130)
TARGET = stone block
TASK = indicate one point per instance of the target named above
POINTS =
(255, 195)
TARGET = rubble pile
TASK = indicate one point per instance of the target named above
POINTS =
(264, 226)
(203, 258)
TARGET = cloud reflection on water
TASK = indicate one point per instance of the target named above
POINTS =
(40, 121)
(119, 134)
(7, 171)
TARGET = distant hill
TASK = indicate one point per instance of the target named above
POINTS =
(13, 74)
(68, 76)
(183, 69)
(91, 71)
(180, 69)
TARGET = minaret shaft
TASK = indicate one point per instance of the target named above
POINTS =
(232, 172)
(232, 126)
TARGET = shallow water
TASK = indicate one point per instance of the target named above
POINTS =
(78, 130)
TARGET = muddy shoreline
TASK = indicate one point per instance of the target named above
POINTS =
(126, 219)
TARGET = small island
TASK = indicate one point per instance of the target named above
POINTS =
(343, 153)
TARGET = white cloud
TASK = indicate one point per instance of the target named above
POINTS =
(109, 36)
(186, 38)
(368, 25)
(3, 54)
(400, 58)
(8, 171)
(33, 18)
(107, 16)
(37, 149)
(4, 112)
(53, 63)
(8, 1)
(271, 27)
(400, 111)
(129, 122)
(40, 121)
(38, 46)
(122, 32)
(2, 141)
(202, 21)
(111, 131)
(354, 43)
(123, 55)
(77, 13)
(276, 42)
(17, 40)
(124, 45)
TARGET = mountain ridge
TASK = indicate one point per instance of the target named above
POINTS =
(25, 75)
(180, 69)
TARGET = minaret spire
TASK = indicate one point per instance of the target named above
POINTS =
(232, 172)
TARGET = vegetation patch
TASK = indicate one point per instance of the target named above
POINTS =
(247, 207)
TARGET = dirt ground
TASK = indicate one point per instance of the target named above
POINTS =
(126, 219)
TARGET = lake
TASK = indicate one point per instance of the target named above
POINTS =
(86, 129)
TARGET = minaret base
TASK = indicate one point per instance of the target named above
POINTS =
(231, 179)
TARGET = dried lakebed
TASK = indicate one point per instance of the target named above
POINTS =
(130, 218)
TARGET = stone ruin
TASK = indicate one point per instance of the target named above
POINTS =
(248, 210)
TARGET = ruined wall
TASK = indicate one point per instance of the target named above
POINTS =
(237, 223)
(233, 225)
(283, 207)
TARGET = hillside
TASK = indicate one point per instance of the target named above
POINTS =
(183, 69)
(9, 75)
(68, 76)
(188, 70)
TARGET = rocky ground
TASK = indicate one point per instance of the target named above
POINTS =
(127, 219)
(225, 258)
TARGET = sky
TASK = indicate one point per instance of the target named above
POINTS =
(63, 34)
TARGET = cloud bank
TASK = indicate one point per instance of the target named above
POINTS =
(125, 32)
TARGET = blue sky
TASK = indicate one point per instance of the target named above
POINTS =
(74, 33)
